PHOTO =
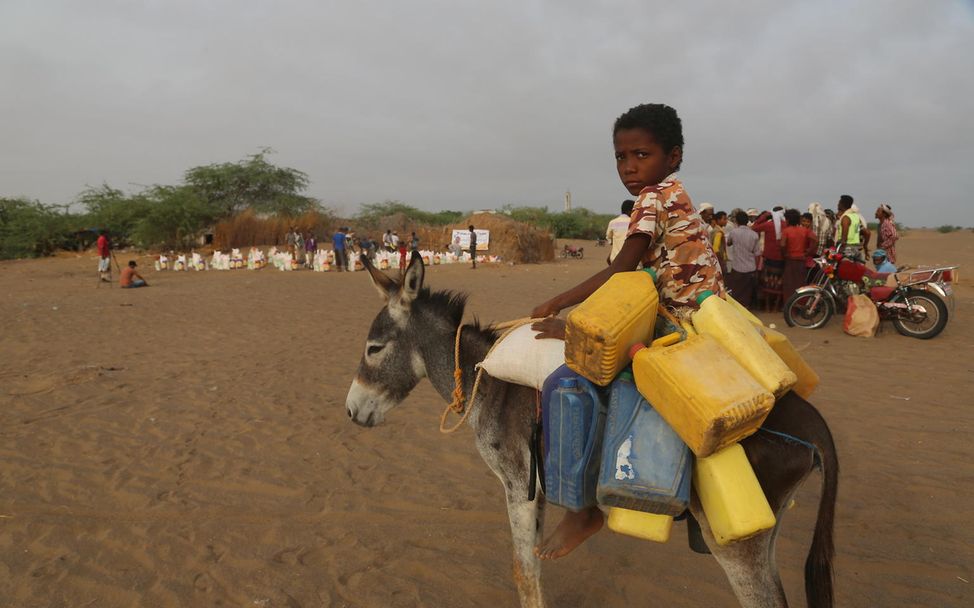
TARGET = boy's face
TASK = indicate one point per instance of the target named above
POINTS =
(722, 221)
(806, 223)
(641, 160)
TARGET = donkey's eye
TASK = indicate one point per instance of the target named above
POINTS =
(375, 348)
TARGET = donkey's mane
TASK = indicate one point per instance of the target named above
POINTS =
(451, 305)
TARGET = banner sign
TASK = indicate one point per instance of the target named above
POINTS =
(462, 238)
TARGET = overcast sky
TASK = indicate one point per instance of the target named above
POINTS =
(466, 105)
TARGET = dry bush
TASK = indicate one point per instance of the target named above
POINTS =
(513, 241)
(247, 229)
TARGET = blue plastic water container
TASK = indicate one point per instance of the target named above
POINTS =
(574, 423)
(645, 464)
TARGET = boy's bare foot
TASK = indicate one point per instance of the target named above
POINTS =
(572, 531)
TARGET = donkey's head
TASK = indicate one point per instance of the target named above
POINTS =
(392, 364)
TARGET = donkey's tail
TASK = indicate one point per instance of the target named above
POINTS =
(818, 564)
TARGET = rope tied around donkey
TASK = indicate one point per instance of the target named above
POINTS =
(459, 405)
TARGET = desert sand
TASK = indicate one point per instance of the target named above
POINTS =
(187, 445)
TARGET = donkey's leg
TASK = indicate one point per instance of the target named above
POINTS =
(503, 422)
(749, 566)
(527, 524)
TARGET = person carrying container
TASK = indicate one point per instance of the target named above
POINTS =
(666, 233)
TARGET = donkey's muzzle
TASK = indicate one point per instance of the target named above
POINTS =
(370, 421)
(363, 405)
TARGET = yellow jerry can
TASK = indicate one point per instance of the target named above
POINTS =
(731, 496)
(647, 526)
(807, 378)
(601, 330)
(718, 318)
(702, 392)
(747, 314)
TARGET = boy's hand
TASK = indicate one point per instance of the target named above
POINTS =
(549, 327)
(548, 309)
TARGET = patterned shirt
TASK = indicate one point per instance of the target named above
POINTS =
(679, 249)
(888, 237)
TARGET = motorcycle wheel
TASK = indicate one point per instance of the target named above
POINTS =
(799, 311)
(933, 322)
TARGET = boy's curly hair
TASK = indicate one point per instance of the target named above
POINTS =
(657, 119)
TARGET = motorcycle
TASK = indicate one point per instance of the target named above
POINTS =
(918, 304)
(574, 252)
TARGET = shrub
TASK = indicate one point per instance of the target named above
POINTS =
(578, 223)
(113, 210)
(371, 214)
(30, 229)
(174, 216)
(947, 228)
(247, 229)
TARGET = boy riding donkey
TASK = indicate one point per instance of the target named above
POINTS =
(665, 233)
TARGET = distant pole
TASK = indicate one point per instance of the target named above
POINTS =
(568, 200)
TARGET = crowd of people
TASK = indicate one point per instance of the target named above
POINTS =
(302, 248)
(767, 256)
(346, 244)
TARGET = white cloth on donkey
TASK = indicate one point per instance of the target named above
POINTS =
(521, 359)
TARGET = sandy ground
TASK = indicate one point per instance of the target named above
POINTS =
(187, 445)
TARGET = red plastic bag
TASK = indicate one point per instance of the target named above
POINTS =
(861, 317)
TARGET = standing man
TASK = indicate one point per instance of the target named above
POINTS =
(310, 248)
(821, 226)
(718, 239)
(848, 230)
(291, 239)
(769, 225)
(744, 251)
(473, 246)
(618, 229)
(707, 215)
(338, 243)
(104, 257)
(886, 235)
(367, 247)
(298, 248)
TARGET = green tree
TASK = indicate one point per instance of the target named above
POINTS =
(371, 213)
(253, 182)
(113, 210)
(29, 228)
(174, 217)
(578, 223)
(536, 216)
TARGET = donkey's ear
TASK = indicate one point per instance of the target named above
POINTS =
(412, 280)
(382, 283)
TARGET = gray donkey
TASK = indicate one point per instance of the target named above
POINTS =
(413, 337)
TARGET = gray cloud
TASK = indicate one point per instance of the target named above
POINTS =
(468, 105)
